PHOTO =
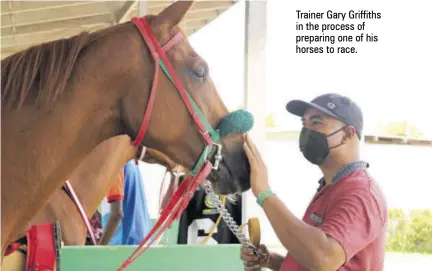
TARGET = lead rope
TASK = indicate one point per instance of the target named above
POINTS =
(226, 216)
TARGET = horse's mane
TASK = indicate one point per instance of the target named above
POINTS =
(42, 71)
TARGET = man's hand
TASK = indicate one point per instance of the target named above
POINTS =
(258, 176)
(251, 261)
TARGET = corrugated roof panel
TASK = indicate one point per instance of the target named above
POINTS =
(28, 23)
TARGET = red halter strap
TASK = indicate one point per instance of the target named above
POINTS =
(177, 203)
(185, 191)
(158, 54)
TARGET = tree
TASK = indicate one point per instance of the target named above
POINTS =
(411, 232)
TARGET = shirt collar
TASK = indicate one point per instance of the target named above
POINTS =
(344, 171)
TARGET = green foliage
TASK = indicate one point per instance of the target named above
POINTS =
(410, 232)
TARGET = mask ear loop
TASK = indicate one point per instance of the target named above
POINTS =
(335, 132)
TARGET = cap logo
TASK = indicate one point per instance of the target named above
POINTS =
(331, 105)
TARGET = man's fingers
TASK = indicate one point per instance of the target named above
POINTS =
(253, 149)
(249, 258)
(245, 255)
(252, 268)
(249, 154)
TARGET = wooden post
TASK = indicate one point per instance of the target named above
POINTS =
(255, 82)
(142, 8)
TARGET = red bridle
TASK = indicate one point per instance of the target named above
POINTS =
(158, 54)
(180, 199)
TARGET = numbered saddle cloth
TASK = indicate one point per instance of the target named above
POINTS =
(199, 217)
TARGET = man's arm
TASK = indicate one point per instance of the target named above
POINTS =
(331, 245)
(116, 215)
(115, 197)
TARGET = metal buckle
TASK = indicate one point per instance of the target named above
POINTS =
(218, 156)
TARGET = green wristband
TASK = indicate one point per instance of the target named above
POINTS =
(263, 195)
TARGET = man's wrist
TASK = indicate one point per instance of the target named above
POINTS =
(275, 261)
(264, 195)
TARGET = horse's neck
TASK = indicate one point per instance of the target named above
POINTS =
(43, 148)
(92, 179)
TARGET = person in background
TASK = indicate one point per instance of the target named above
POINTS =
(128, 214)
(344, 226)
(110, 225)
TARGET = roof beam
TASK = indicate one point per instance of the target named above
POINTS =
(102, 19)
(123, 14)
(143, 8)
(59, 14)
(15, 7)
(204, 15)
(201, 6)
(45, 36)
(27, 23)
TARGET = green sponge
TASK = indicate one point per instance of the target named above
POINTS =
(239, 121)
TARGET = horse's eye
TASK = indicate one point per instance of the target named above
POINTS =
(200, 72)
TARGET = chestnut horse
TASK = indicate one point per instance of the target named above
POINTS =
(91, 181)
(63, 98)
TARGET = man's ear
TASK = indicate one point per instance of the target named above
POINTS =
(350, 132)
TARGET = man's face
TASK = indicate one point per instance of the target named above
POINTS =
(323, 123)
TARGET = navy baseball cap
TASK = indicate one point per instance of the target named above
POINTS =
(334, 105)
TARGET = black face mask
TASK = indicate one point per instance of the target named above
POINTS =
(314, 145)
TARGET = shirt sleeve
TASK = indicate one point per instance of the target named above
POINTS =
(354, 221)
(116, 191)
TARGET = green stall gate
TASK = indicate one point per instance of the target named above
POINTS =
(168, 256)
(157, 258)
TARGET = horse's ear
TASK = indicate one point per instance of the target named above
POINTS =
(173, 14)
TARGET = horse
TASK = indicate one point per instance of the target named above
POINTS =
(63, 98)
(91, 181)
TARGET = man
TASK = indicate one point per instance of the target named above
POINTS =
(114, 213)
(130, 207)
(344, 226)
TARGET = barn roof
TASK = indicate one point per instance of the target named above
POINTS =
(26, 23)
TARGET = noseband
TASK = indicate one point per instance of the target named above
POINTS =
(184, 193)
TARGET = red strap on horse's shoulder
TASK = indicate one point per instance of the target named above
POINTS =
(42, 248)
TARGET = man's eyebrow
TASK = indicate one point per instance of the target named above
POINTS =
(313, 117)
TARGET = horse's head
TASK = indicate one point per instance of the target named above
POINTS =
(171, 129)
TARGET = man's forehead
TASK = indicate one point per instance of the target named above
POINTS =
(312, 113)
